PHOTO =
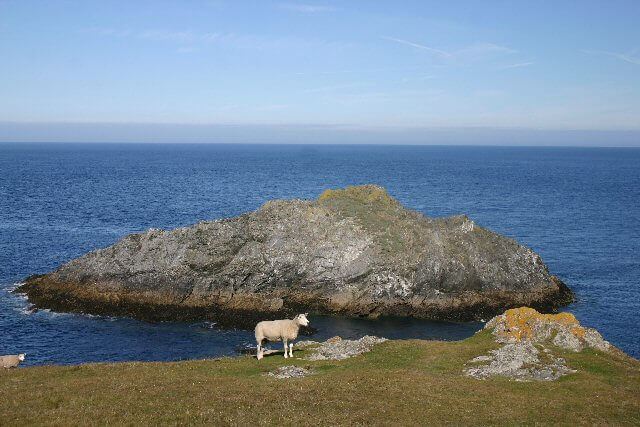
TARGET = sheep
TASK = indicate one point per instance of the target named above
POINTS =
(279, 330)
(12, 360)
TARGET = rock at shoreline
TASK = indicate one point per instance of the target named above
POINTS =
(337, 349)
(563, 329)
(528, 338)
(354, 252)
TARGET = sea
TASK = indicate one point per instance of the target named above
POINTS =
(579, 208)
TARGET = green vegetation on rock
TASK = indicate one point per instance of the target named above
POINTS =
(364, 194)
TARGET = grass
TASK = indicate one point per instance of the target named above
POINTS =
(365, 194)
(400, 383)
(378, 213)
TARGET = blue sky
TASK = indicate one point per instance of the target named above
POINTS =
(399, 66)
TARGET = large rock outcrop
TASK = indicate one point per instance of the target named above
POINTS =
(563, 329)
(355, 251)
(528, 338)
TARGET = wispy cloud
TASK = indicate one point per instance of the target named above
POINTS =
(438, 52)
(109, 32)
(488, 93)
(163, 35)
(272, 107)
(305, 73)
(354, 98)
(621, 56)
(195, 40)
(333, 88)
(480, 49)
(414, 79)
(518, 65)
(155, 35)
(473, 50)
(187, 49)
(418, 69)
(306, 8)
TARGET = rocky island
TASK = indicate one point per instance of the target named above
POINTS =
(355, 252)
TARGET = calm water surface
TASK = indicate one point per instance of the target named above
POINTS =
(579, 208)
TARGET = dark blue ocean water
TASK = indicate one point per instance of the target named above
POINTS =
(579, 208)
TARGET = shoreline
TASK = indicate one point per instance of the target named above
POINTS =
(244, 311)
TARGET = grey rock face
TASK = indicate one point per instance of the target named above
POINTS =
(593, 339)
(355, 251)
(524, 331)
(565, 339)
(521, 361)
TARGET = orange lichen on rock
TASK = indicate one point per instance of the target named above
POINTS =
(562, 329)
(578, 331)
(518, 323)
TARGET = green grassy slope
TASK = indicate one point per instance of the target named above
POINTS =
(400, 382)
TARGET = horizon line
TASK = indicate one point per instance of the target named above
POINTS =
(302, 144)
(311, 134)
(331, 125)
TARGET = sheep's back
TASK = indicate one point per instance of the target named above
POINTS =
(9, 361)
(275, 330)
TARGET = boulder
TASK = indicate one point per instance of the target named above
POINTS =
(528, 338)
(291, 371)
(336, 348)
(562, 329)
(521, 361)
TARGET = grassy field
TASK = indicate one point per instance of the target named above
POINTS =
(400, 382)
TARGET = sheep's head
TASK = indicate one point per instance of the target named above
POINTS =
(301, 319)
(21, 356)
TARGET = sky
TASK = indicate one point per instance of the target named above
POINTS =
(511, 72)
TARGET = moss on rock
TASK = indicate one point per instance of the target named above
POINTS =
(368, 194)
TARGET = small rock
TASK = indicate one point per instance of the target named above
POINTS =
(481, 359)
(305, 343)
(565, 339)
(291, 371)
(520, 361)
(336, 349)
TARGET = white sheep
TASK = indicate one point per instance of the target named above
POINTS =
(279, 330)
(12, 360)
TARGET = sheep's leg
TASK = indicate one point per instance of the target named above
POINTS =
(291, 350)
(259, 351)
(285, 348)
